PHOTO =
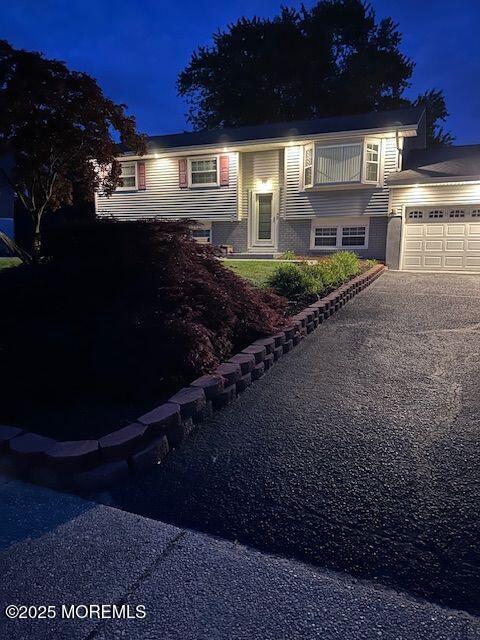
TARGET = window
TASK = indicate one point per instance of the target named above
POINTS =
(338, 164)
(203, 236)
(436, 213)
(308, 166)
(372, 161)
(476, 213)
(353, 163)
(329, 234)
(415, 215)
(264, 204)
(203, 172)
(128, 176)
(325, 237)
(353, 236)
(456, 213)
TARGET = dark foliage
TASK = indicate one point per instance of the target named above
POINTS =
(332, 59)
(124, 310)
(60, 130)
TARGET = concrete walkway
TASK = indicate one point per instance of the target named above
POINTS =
(57, 549)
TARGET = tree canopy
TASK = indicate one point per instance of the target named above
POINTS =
(60, 129)
(332, 59)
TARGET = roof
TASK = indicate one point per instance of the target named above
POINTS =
(442, 164)
(398, 119)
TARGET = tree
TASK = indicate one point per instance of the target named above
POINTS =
(436, 111)
(332, 59)
(59, 128)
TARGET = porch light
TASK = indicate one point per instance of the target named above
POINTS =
(264, 186)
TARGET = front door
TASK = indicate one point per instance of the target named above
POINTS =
(264, 221)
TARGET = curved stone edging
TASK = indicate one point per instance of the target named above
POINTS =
(92, 465)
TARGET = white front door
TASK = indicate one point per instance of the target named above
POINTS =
(263, 228)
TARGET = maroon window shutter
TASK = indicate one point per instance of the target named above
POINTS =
(224, 171)
(142, 184)
(182, 173)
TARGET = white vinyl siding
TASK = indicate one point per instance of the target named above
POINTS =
(307, 203)
(338, 164)
(454, 194)
(260, 168)
(164, 198)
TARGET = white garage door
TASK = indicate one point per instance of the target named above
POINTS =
(442, 239)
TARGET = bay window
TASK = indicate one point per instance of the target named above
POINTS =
(341, 164)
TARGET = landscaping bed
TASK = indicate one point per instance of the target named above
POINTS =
(115, 320)
(103, 366)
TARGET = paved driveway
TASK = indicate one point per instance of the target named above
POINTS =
(359, 451)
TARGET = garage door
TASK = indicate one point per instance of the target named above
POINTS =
(442, 239)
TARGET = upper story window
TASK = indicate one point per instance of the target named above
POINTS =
(128, 176)
(341, 164)
(203, 172)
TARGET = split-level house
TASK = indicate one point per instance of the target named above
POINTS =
(361, 183)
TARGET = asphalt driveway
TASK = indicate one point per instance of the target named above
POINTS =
(359, 451)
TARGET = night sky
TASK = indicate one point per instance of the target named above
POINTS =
(136, 49)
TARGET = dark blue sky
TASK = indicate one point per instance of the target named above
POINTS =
(136, 49)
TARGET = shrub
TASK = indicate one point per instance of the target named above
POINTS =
(288, 255)
(303, 282)
(294, 282)
(124, 309)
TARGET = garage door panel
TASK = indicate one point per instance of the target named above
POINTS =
(454, 245)
(440, 244)
(432, 261)
(413, 261)
(453, 261)
(455, 229)
(433, 245)
(414, 230)
(434, 230)
(414, 245)
(474, 230)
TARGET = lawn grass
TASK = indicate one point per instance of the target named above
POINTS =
(257, 271)
(6, 263)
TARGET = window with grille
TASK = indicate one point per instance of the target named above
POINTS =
(436, 213)
(128, 176)
(372, 161)
(456, 213)
(203, 172)
(415, 215)
(326, 236)
(353, 236)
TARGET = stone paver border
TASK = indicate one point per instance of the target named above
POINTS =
(92, 465)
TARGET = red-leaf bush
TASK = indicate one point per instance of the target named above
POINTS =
(124, 309)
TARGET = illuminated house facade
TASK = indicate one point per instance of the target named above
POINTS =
(310, 187)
